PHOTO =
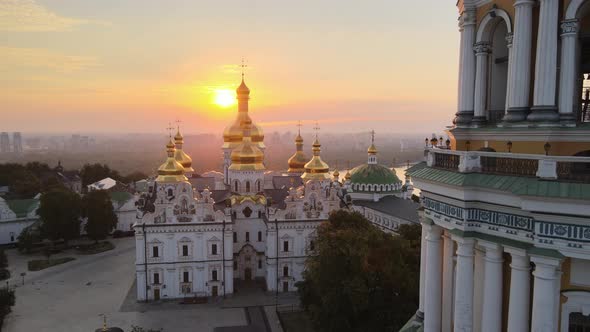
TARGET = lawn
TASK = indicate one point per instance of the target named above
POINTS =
(41, 264)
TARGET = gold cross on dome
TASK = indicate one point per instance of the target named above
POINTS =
(170, 129)
(372, 136)
(299, 126)
(178, 122)
(317, 129)
(243, 65)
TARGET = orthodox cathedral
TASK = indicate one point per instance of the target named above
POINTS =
(194, 241)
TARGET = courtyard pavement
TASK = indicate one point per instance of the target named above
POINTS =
(71, 296)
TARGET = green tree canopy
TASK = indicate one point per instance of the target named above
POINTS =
(101, 218)
(91, 173)
(22, 181)
(361, 279)
(59, 211)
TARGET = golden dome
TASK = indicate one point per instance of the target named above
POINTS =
(348, 175)
(316, 168)
(233, 134)
(247, 156)
(372, 149)
(298, 159)
(171, 170)
(336, 174)
(184, 159)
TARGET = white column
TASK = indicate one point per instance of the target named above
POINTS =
(447, 283)
(568, 77)
(544, 108)
(466, 68)
(478, 276)
(482, 51)
(464, 285)
(463, 320)
(492, 290)
(518, 303)
(545, 299)
(423, 254)
(432, 307)
(520, 69)
(509, 38)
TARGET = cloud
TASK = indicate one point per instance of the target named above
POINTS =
(29, 16)
(15, 57)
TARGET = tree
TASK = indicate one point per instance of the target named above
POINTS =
(98, 209)
(361, 279)
(91, 173)
(59, 211)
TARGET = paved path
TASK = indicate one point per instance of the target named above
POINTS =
(70, 297)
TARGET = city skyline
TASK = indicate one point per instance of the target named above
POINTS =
(78, 65)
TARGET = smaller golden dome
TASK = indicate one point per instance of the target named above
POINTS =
(372, 149)
(348, 175)
(171, 170)
(243, 88)
(298, 159)
(184, 159)
(316, 168)
(335, 173)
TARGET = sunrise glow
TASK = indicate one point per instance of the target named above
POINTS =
(224, 98)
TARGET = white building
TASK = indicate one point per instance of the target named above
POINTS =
(254, 225)
(16, 215)
(506, 213)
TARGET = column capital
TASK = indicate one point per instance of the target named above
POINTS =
(546, 267)
(569, 28)
(464, 245)
(468, 17)
(493, 251)
(433, 233)
(524, 3)
(482, 48)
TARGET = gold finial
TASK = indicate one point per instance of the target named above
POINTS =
(178, 122)
(372, 136)
(317, 129)
(243, 65)
(104, 322)
(170, 129)
(299, 127)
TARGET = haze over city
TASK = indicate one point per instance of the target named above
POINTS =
(133, 66)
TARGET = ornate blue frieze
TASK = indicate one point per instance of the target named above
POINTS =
(477, 216)
(568, 232)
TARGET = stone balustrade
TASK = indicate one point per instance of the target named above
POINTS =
(567, 168)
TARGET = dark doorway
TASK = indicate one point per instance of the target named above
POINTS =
(248, 274)
(285, 286)
(156, 294)
(214, 291)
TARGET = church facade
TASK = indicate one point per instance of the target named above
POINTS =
(505, 220)
(259, 226)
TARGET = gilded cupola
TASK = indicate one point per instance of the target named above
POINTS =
(298, 159)
(171, 170)
(233, 134)
(316, 168)
(180, 156)
(247, 156)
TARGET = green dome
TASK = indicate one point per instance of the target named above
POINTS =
(373, 174)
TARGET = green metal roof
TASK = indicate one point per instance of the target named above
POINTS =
(373, 174)
(521, 186)
(120, 196)
(22, 207)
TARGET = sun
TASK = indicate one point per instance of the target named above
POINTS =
(224, 97)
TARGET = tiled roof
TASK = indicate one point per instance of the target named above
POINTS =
(521, 186)
(22, 207)
(393, 206)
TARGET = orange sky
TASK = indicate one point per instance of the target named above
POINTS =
(132, 66)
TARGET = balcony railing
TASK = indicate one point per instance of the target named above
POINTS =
(566, 168)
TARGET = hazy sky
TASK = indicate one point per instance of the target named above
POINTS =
(133, 66)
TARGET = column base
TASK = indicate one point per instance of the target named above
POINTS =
(419, 316)
(516, 114)
(543, 114)
(463, 118)
(567, 119)
(479, 121)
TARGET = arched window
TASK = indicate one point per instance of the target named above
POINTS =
(170, 192)
(236, 185)
(258, 185)
(285, 271)
(247, 186)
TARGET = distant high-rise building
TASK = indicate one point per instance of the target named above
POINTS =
(4, 143)
(17, 142)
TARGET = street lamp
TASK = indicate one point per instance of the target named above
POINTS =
(509, 145)
(433, 141)
(448, 143)
(547, 147)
